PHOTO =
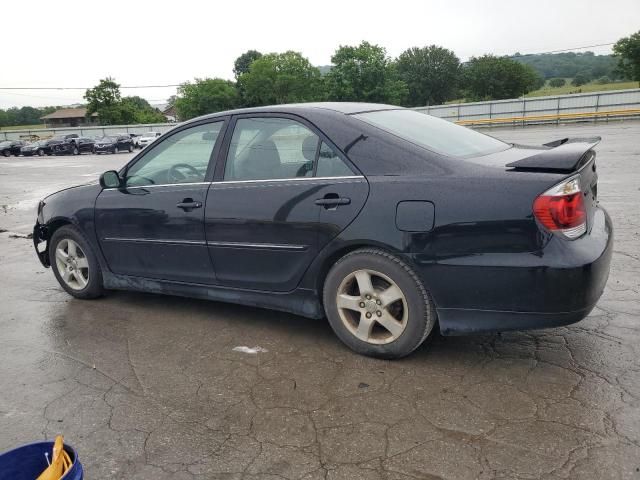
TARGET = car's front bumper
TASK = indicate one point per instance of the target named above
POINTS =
(39, 237)
(492, 292)
(105, 148)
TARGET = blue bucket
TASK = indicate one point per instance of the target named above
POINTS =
(28, 461)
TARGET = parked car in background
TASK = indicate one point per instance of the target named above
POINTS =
(146, 138)
(50, 143)
(11, 147)
(74, 146)
(135, 137)
(114, 144)
(39, 148)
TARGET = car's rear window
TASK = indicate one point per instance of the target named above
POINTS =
(433, 133)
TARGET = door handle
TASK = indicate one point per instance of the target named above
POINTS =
(188, 204)
(332, 202)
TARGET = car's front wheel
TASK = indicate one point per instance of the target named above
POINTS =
(376, 304)
(6, 153)
(40, 152)
(130, 148)
(76, 151)
(75, 264)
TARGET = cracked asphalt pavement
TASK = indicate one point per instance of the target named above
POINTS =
(149, 387)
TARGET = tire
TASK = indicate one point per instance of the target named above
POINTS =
(412, 313)
(130, 148)
(76, 151)
(92, 287)
(6, 153)
(115, 150)
(40, 152)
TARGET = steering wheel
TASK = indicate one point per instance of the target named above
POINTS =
(174, 175)
(304, 169)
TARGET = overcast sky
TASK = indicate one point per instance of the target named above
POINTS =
(49, 43)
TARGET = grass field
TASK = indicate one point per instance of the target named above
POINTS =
(587, 88)
(23, 127)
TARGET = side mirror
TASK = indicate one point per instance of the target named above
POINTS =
(110, 179)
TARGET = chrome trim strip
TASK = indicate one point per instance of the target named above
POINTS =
(227, 182)
(265, 246)
(154, 240)
(296, 179)
(162, 185)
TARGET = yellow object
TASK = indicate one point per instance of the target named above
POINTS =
(60, 462)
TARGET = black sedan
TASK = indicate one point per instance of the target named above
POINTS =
(75, 146)
(39, 148)
(11, 147)
(114, 144)
(385, 220)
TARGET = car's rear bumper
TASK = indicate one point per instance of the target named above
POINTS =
(556, 286)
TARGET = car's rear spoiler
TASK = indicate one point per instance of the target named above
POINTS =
(565, 155)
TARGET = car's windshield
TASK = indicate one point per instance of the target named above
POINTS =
(433, 133)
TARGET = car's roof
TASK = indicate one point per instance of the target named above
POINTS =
(347, 108)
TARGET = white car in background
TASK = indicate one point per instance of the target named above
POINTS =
(146, 138)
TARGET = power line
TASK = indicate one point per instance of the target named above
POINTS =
(86, 88)
(564, 50)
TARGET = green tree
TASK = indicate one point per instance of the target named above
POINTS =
(105, 94)
(143, 112)
(244, 61)
(557, 82)
(627, 50)
(431, 74)
(205, 95)
(492, 78)
(364, 74)
(579, 80)
(281, 78)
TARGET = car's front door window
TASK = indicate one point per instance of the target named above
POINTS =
(181, 158)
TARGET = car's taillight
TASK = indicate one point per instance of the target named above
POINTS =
(561, 209)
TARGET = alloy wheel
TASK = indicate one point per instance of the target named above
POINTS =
(72, 264)
(372, 307)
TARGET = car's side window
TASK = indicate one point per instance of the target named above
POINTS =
(270, 148)
(181, 158)
(330, 164)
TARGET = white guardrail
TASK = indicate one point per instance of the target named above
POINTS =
(521, 111)
(85, 131)
(558, 108)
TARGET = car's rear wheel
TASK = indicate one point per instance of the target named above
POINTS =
(75, 264)
(377, 305)
(40, 152)
(76, 151)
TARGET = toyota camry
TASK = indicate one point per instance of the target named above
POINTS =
(386, 221)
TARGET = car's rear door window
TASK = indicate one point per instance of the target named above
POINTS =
(274, 148)
(270, 148)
